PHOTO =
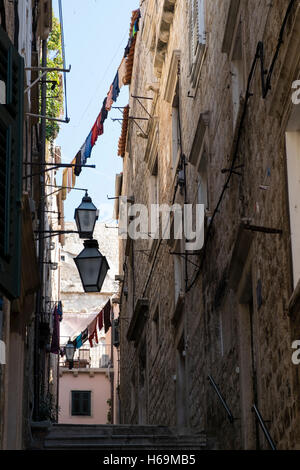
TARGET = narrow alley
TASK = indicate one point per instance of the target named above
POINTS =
(149, 227)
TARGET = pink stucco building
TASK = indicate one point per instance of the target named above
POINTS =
(94, 390)
(88, 392)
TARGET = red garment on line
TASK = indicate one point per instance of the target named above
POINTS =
(92, 332)
(97, 129)
(100, 320)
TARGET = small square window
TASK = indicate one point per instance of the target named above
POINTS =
(81, 403)
(63, 258)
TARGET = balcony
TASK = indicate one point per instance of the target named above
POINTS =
(98, 357)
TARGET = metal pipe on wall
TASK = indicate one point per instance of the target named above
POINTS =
(41, 247)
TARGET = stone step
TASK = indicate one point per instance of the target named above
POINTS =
(129, 447)
(66, 429)
(119, 437)
(125, 444)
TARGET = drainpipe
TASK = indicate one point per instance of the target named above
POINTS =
(112, 374)
(186, 320)
(41, 217)
(16, 25)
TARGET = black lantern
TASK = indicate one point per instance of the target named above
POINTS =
(85, 217)
(70, 351)
(92, 266)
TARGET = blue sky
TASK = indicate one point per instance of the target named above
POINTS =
(96, 33)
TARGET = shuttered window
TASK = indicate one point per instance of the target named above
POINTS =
(81, 403)
(11, 144)
(197, 36)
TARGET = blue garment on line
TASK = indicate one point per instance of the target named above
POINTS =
(60, 310)
(88, 146)
(116, 89)
(79, 341)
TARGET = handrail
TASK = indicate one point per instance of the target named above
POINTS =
(263, 427)
(222, 400)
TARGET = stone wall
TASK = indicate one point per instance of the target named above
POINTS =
(234, 318)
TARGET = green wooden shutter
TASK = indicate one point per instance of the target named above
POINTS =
(11, 152)
(81, 403)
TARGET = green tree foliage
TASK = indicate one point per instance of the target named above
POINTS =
(55, 89)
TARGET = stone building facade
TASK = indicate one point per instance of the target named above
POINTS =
(219, 82)
(28, 285)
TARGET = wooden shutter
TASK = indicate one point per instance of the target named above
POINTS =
(193, 29)
(11, 146)
(201, 22)
(197, 37)
(81, 403)
(198, 25)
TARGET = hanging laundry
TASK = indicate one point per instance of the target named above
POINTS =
(92, 332)
(78, 341)
(84, 335)
(122, 72)
(100, 320)
(55, 335)
(69, 183)
(64, 184)
(106, 315)
(60, 310)
(109, 100)
(94, 134)
(97, 129)
(135, 27)
(104, 111)
(116, 88)
(122, 77)
(82, 151)
(88, 146)
(99, 123)
(77, 169)
(73, 162)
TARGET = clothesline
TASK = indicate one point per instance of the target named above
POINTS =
(102, 320)
(57, 318)
(121, 78)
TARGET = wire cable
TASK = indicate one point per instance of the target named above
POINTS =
(266, 87)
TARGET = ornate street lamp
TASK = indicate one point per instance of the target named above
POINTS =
(85, 217)
(70, 351)
(92, 266)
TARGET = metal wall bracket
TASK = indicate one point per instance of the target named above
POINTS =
(49, 118)
(45, 70)
(54, 167)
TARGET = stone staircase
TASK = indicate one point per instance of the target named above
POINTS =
(115, 437)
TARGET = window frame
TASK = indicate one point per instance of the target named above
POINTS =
(292, 139)
(81, 412)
